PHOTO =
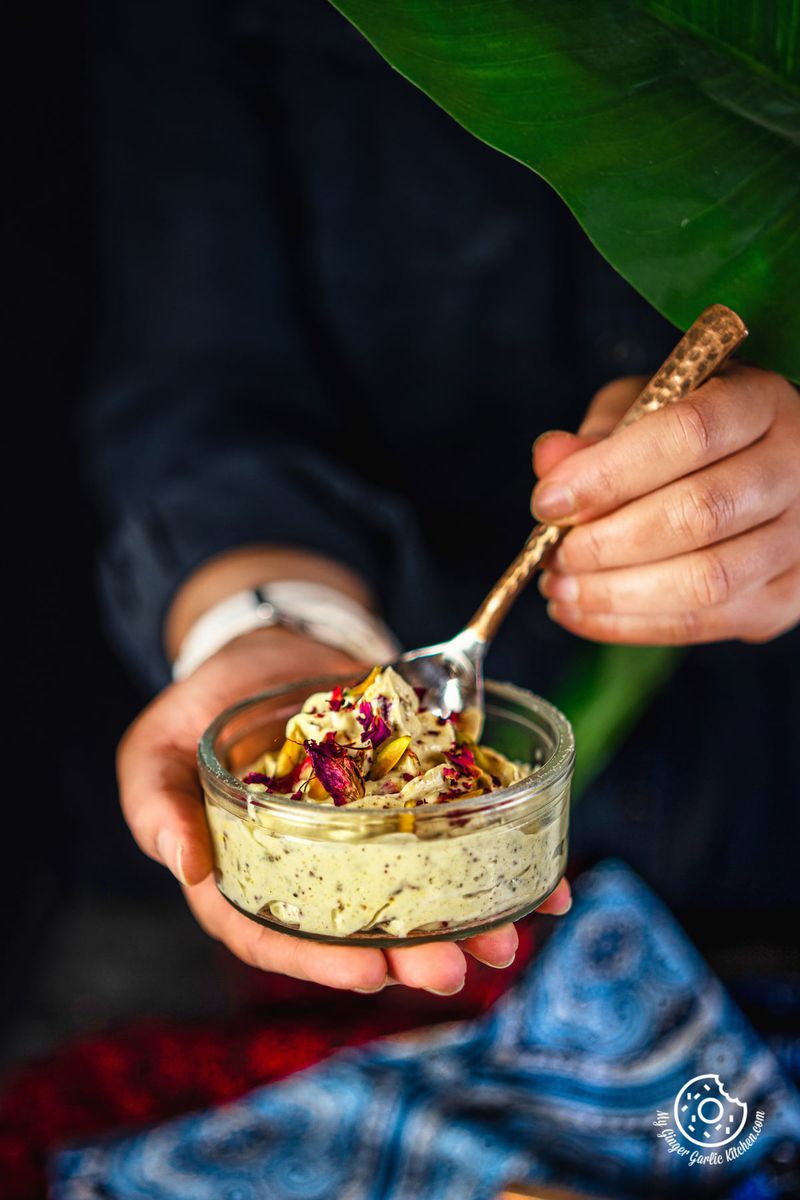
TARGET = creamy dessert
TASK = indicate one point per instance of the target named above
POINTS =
(376, 746)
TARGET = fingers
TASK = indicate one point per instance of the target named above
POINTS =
(757, 616)
(438, 967)
(699, 580)
(726, 414)
(497, 948)
(558, 902)
(686, 526)
(778, 609)
(718, 502)
(161, 802)
(344, 967)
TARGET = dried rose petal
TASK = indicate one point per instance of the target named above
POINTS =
(258, 777)
(315, 789)
(282, 785)
(375, 728)
(336, 770)
(337, 699)
(463, 760)
(287, 783)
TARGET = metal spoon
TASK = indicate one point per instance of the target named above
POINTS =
(452, 672)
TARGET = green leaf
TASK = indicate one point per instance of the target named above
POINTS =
(606, 692)
(671, 128)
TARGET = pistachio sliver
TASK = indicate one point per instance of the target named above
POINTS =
(468, 724)
(494, 765)
(485, 759)
(388, 755)
(360, 688)
(478, 791)
(289, 755)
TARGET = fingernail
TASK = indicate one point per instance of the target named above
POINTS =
(170, 851)
(560, 912)
(453, 992)
(496, 965)
(371, 991)
(553, 500)
(562, 587)
(548, 433)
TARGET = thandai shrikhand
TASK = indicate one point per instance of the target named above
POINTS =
(378, 746)
(432, 868)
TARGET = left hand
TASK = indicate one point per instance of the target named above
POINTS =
(686, 525)
(160, 796)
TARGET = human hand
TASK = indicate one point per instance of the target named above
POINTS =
(686, 525)
(161, 801)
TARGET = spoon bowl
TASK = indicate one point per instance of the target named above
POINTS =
(451, 673)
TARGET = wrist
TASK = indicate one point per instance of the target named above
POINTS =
(320, 612)
(248, 567)
(288, 645)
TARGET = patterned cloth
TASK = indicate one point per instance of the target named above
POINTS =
(562, 1081)
(151, 1070)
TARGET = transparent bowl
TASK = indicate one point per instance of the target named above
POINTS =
(389, 877)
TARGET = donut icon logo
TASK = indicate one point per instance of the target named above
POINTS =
(705, 1113)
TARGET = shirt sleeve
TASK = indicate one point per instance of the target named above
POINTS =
(210, 419)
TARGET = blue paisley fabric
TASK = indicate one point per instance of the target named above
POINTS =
(561, 1082)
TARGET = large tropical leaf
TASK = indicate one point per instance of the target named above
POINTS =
(670, 127)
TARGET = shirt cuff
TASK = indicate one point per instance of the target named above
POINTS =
(241, 498)
(238, 499)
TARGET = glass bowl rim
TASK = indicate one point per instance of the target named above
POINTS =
(540, 782)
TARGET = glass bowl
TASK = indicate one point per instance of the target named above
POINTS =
(388, 877)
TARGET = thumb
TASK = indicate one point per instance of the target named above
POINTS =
(609, 405)
(606, 408)
(161, 802)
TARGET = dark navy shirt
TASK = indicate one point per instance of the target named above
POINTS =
(333, 319)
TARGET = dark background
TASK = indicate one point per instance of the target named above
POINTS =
(89, 922)
(95, 933)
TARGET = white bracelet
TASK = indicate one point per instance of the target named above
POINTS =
(322, 612)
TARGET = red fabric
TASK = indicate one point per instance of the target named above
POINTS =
(154, 1070)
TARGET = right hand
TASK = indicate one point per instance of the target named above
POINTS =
(162, 804)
